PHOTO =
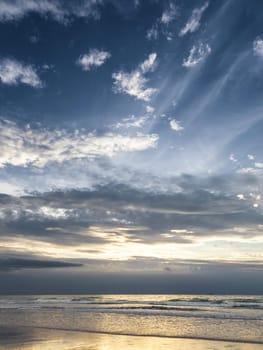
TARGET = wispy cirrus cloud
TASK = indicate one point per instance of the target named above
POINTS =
(38, 146)
(152, 33)
(169, 14)
(134, 83)
(14, 10)
(160, 27)
(194, 21)
(93, 59)
(197, 54)
(132, 122)
(56, 9)
(13, 72)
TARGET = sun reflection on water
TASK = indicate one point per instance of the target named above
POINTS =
(40, 339)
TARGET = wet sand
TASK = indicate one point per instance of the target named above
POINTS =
(30, 338)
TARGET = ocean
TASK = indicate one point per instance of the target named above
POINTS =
(216, 318)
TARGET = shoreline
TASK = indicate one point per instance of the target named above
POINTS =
(30, 338)
(66, 330)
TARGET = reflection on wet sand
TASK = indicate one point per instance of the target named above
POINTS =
(26, 338)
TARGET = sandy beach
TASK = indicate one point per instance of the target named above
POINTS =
(30, 338)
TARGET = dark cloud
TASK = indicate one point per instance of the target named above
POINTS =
(202, 207)
(46, 230)
(19, 263)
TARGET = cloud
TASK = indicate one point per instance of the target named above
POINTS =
(134, 83)
(240, 196)
(56, 9)
(175, 125)
(232, 157)
(152, 33)
(149, 109)
(83, 8)
(13, 72)
(189, 206)
(259, 165)
(20, 263)
(93, 59)
(13, 10)
(114, 220)
(160, 27)
(194, 21)
(169, 14)
(258, 47)
(197, 54)
(250, 170)
(38, 146)
(149, 65)
(132, 122)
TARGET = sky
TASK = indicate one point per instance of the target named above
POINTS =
(131, 146)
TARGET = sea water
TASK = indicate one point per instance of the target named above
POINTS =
(214, 317)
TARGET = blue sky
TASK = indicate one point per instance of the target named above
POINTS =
(131, 138)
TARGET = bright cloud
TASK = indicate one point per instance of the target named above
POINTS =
(134, 83)
(37, 146)
(258, 47)
(55, 213)
(241, 196)
(175, 125)
(233, 158)
(194, 21)
(249, 171)
(197, 54)
(149, 109)
(93, 59)
(259, 165)
(13, 72)
(169, 14)
(150, 64)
